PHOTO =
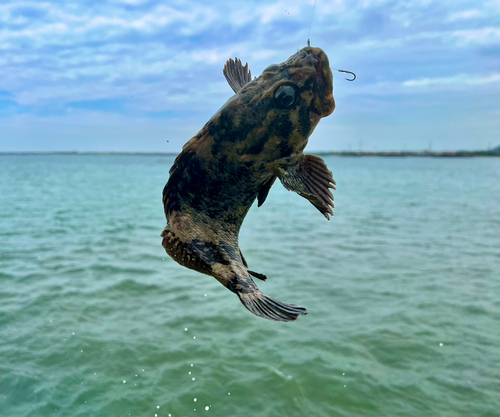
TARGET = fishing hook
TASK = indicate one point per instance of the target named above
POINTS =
(348, 72)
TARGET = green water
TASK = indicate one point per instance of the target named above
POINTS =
(402, 289)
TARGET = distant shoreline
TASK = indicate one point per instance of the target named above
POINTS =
(426, 154)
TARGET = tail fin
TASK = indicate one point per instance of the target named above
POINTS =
(263, 306)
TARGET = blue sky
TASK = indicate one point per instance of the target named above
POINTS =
(133, 75)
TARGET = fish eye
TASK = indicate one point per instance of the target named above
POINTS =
(285, 96)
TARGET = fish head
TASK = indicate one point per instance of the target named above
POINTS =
(296, 93)
(309, 73)
(273, 115)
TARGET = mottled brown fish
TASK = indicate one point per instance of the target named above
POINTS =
(257, 136)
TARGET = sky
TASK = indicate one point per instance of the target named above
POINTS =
(146, 75)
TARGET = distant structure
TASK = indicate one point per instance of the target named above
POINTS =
(426, 153)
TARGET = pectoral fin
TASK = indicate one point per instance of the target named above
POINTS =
(311, 179)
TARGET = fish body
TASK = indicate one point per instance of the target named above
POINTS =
(257, 136)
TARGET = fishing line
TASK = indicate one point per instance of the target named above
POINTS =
(310, 26)
(309, 44)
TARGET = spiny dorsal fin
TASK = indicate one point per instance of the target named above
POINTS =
(236, 74)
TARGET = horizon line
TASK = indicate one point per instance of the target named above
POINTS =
(324, 152)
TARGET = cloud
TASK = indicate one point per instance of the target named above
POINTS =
(483, 36)
(269, 12)
(148, 59)
(454, 81)
(466, 14)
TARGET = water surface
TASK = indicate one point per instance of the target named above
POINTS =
(402, 289)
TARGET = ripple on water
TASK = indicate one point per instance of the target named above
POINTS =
(398, 323)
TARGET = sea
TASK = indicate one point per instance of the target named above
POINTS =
(402, 288)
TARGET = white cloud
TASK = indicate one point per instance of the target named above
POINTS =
(329, 7)
(466, 14)
(279, 10)
(459, 80)
(152, 56)
(134, 2)
(50, 29)
(483, 36)
(371, 3)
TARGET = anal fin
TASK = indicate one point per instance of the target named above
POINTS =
(183, 253)
(253, 273)
(311, 179)
(257, 275)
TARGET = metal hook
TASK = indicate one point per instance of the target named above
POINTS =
(348, 72)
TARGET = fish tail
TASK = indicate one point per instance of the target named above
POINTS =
(263, 306)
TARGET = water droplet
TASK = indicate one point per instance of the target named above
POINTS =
(81, 351)
(185, 329)
(193, 379)
(73, 333)
(205, 295)
(192, 365)
(207, 408)
(343, 373)
(228, 393)
(195, 400)
(157, 406)
(143, 370)
(345, 386)
(124, 381)
(194, 337)
(441, 344)
(189, 373)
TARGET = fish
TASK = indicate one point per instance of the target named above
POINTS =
(256, 137)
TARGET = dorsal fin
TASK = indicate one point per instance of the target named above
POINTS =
(236, 74)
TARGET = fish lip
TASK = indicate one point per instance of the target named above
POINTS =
(323, 103)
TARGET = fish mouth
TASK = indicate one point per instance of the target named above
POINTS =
(323, 103)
